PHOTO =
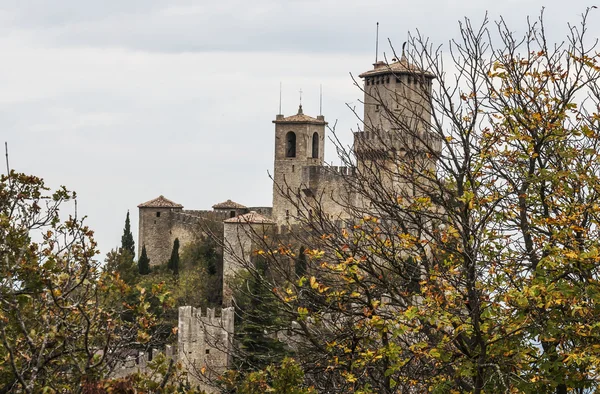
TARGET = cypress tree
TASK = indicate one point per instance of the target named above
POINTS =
(127, 243)
(173, 264)
(256, 335)
(144, 263)
(300, 266)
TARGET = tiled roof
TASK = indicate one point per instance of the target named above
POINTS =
(228, 205)
(300, 117)
(250, 217)
(401, 66)
(160, 202)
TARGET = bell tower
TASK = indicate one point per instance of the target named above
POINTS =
(299, 143)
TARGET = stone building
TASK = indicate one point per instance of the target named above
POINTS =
(395, 97)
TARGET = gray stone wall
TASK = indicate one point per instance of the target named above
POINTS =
(158, 233)
(389, 97)
(329, 190)
(155, 227)
(239, 245)
(205, 343)
(138, 363)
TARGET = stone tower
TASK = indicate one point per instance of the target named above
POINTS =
(155, 228)
(397, 120)
(299, 143)
(396, 91)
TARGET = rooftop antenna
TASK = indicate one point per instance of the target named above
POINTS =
(321, 100)
(377, 42)
(279, 98)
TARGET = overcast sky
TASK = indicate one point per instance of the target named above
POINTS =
(124, 100)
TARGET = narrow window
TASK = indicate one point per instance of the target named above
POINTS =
(207, 351)
(315, 145)
(157, 214)
(293, 168)
(231, 214)
(290, 144)
(287, 214)
(377, 108)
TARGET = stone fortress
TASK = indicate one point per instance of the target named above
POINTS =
(204, 339)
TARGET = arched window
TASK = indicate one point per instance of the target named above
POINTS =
(315, 146)
(290, 144)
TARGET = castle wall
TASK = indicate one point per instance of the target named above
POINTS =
(205, 343)
(137, 362)
(158, 233)
(265, 211)
(329, 189)
(239, 245)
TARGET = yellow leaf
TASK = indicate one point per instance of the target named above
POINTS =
(313, 282)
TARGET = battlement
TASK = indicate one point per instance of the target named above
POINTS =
(192, 323)
(137, 361)
(265, 211)
(197, 216)
(314, 176)
(385, 145)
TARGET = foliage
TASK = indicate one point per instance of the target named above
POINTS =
(205, 258)
(61, 318)
(195, 286)
(127, 242)
(163, 377)
(120, 261)
(143, 262)
(284, 378)
(256, 325)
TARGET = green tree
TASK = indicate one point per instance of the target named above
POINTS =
(257, 325)
(127, 242)
(301, 264)
(204, 257)
(173, 263)
(120, 261)
(144, 262)
(284, 378)
(61, 317)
